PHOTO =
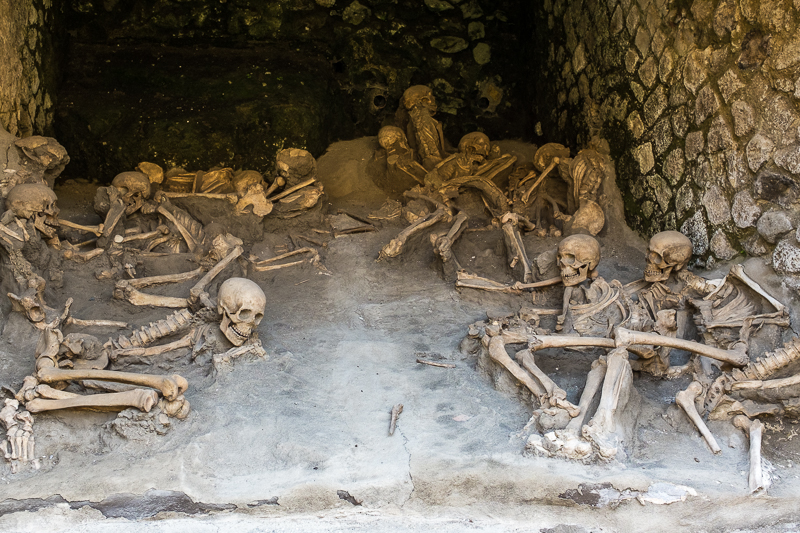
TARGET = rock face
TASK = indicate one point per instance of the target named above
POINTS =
(27, 56)
(722, 74)
(278, 74)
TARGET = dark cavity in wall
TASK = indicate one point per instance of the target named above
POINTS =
(200, 83)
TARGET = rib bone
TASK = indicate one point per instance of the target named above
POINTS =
(142, 399)
(685, 399)
(737, 271)
(170, 386)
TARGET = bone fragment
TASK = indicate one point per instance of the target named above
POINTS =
(765, 384)
(161, 230)
(141, 283)
(170, 386)
(95, 323)
(136, 297)
(594, 379)
(290, 190)
(556, 395)
(615, 393)
(184, 342)
(82, 257)
(191, 243)
(279, 182)
(516, 250)
(142, 399)
(473, 281)
(230, 197)
(754, 430)
(737, 356)
(48, 392)
(395, 246)
(544, 174)
(497, 351)
(737, 271)
(431, 363)
(113, 217)
(201, 285)
(538, 284)
(396, 410)
(97, 230)
(263, 266)
(686, 400)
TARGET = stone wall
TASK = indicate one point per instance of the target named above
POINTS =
(27, 64)
(300, 73)
(699, 102)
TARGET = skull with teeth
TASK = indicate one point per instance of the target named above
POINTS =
(134, 188)
(667, 251)
(475, 146)
(35, 202)
(241, 303)
(577, 258)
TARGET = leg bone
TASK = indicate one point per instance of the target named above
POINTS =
(170, 386)
(685, 399)
(142, 399)
(754, 430)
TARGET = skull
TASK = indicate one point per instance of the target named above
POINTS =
(475, 145)
(577, 258)
(134, 188)
(36, 202)
(388, 136)
(245, 180)
(667, 251)
(419, 96)
(295, 165)
(241, 304)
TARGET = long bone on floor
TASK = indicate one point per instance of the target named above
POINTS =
(546, 391)
(271, 263)
(686, 400)
(514, 245)
(754, 430)
(594, 380)
(443, 243)
(395, 246)
(170, 386)
(617, 384)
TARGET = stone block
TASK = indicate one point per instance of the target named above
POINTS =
(721, 247)
(695, 142)
(655, 105)
(788, 158)
(648, 72)
(719, 135)
(745, 210)
(674, 165)
(706, 104)
(759, 150)
(695, 228)
(773, 224)
(786, 257)
(643, 154)
(717, 208)
(729, 84)
(743, 117)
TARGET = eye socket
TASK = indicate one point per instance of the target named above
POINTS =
(245, 315)
(654, 258)
(259, 317)
(568, 259)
